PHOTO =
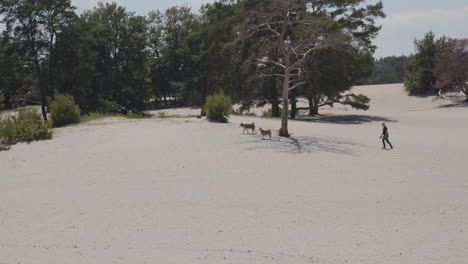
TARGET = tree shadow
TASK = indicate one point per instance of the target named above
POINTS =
(302, 144)
(455, 103)
(346, 119)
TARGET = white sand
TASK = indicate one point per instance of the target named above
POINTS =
(189, 191)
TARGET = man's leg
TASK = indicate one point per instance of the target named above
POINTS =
(389, 143)
(383, 141)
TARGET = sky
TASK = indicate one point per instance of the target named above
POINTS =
(405, 21)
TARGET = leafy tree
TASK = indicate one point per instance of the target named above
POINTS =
(76, 65)
(332, 73)
(33, 25)
(104, 60)
(173, 70)
(451, 66)
(418, 75)
(8, 75)
(214, 61)
(298, 29)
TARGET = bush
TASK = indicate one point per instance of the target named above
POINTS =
(7, 132)
(218, 107)
(163, 115)
(267, 113)
(27, 126)
(64, 111)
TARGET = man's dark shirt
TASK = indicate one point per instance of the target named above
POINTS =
(385, 132)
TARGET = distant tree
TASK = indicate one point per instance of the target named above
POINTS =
(174, 68)
(418, 69)
(387, 70)
(451, 66)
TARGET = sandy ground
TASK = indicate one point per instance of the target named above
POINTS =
(189, 191)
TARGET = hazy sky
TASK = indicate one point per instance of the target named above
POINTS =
(406, 19)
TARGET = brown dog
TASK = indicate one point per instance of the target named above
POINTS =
(248, 127)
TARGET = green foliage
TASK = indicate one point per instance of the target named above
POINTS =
(2, 98)
(356, 101)
(30, 126)
(163, 115)
(34, 26)
(64, 111)
(26, 126)
(218, 107)
(7, 132)
(267, 113)
(108, 58)
(332, 73)
(419, 78)
(107, 106)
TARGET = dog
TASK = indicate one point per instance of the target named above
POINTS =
(265, 133)
(248, 127)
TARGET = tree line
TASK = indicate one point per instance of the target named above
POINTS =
(255, 51)
(387, 70)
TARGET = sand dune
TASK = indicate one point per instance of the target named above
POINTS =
(190, 191)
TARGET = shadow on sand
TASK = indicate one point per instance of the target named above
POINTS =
(298, 145)
(346, 119)
(455, 104)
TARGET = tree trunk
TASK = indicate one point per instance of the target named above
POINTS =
(284, 115)
(313, 106)
(275, 109)
(42, 89)
(293, 107)
(164, 96)
(273, 97)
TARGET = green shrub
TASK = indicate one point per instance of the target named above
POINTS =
(64, 111)
(218, 107)
(7, 132)
(267, 113)
(26, 126)
(94, 116)
(163, 115)
(29, 126)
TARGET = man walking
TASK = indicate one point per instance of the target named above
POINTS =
(384, 137)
